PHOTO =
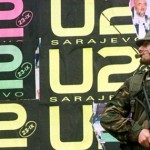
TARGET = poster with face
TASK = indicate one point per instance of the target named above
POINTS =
(140, 16)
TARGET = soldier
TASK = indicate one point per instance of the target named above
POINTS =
(127, 115)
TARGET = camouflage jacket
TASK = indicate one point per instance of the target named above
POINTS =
(117, 121)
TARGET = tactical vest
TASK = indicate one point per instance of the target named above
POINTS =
(135, 86)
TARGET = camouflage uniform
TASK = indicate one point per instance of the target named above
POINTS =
(117, 121)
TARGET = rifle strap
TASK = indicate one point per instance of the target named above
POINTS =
(136, 82)
(135, 85)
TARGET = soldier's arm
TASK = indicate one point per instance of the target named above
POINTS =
(144, 138)
(115, 118)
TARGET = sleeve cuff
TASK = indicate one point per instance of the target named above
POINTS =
(135, 131)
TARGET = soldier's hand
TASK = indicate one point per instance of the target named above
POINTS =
(144, 138)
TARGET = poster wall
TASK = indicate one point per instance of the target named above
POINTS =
(87, 50)
(19, 124)
(18, 41)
